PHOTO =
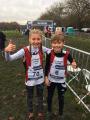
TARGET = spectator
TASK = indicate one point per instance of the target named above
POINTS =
(2, 41)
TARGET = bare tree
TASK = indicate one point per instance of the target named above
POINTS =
(74, 13)
(55, 12)
(78, 11)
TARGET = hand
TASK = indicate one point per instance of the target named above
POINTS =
(74, 65)
(47, 82)
(11, 47)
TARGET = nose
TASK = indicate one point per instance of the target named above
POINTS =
(37, 41)
(57, 45)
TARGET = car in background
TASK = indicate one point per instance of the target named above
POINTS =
(70, 31)
(85, 30)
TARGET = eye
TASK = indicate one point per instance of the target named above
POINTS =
(60, 42)
(54, 42)
(38, 38)
(33, 39)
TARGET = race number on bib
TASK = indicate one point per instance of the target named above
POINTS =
(35, 74)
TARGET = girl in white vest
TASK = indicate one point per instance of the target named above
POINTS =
(55, 72)
(34, 68)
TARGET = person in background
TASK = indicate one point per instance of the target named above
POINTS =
(47, 31)
(2, 42)
(58, 31)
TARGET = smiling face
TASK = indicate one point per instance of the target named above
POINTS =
(35, 39)
(57, 46)
(57, 43)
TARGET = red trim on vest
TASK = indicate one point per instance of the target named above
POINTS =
(52, 57)
(28, 59)
(65, 61)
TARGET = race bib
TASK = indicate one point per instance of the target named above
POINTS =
(35, 73)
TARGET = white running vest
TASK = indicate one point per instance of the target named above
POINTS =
(57, 70)
(35, 72)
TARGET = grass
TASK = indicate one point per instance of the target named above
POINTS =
(79, 42)
(13, 92)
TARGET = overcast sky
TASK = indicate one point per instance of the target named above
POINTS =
(23, 10)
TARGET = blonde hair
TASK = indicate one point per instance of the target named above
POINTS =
(35, 31)
(57, 38)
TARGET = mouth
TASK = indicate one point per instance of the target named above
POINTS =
(36, 45)
(57, 49)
